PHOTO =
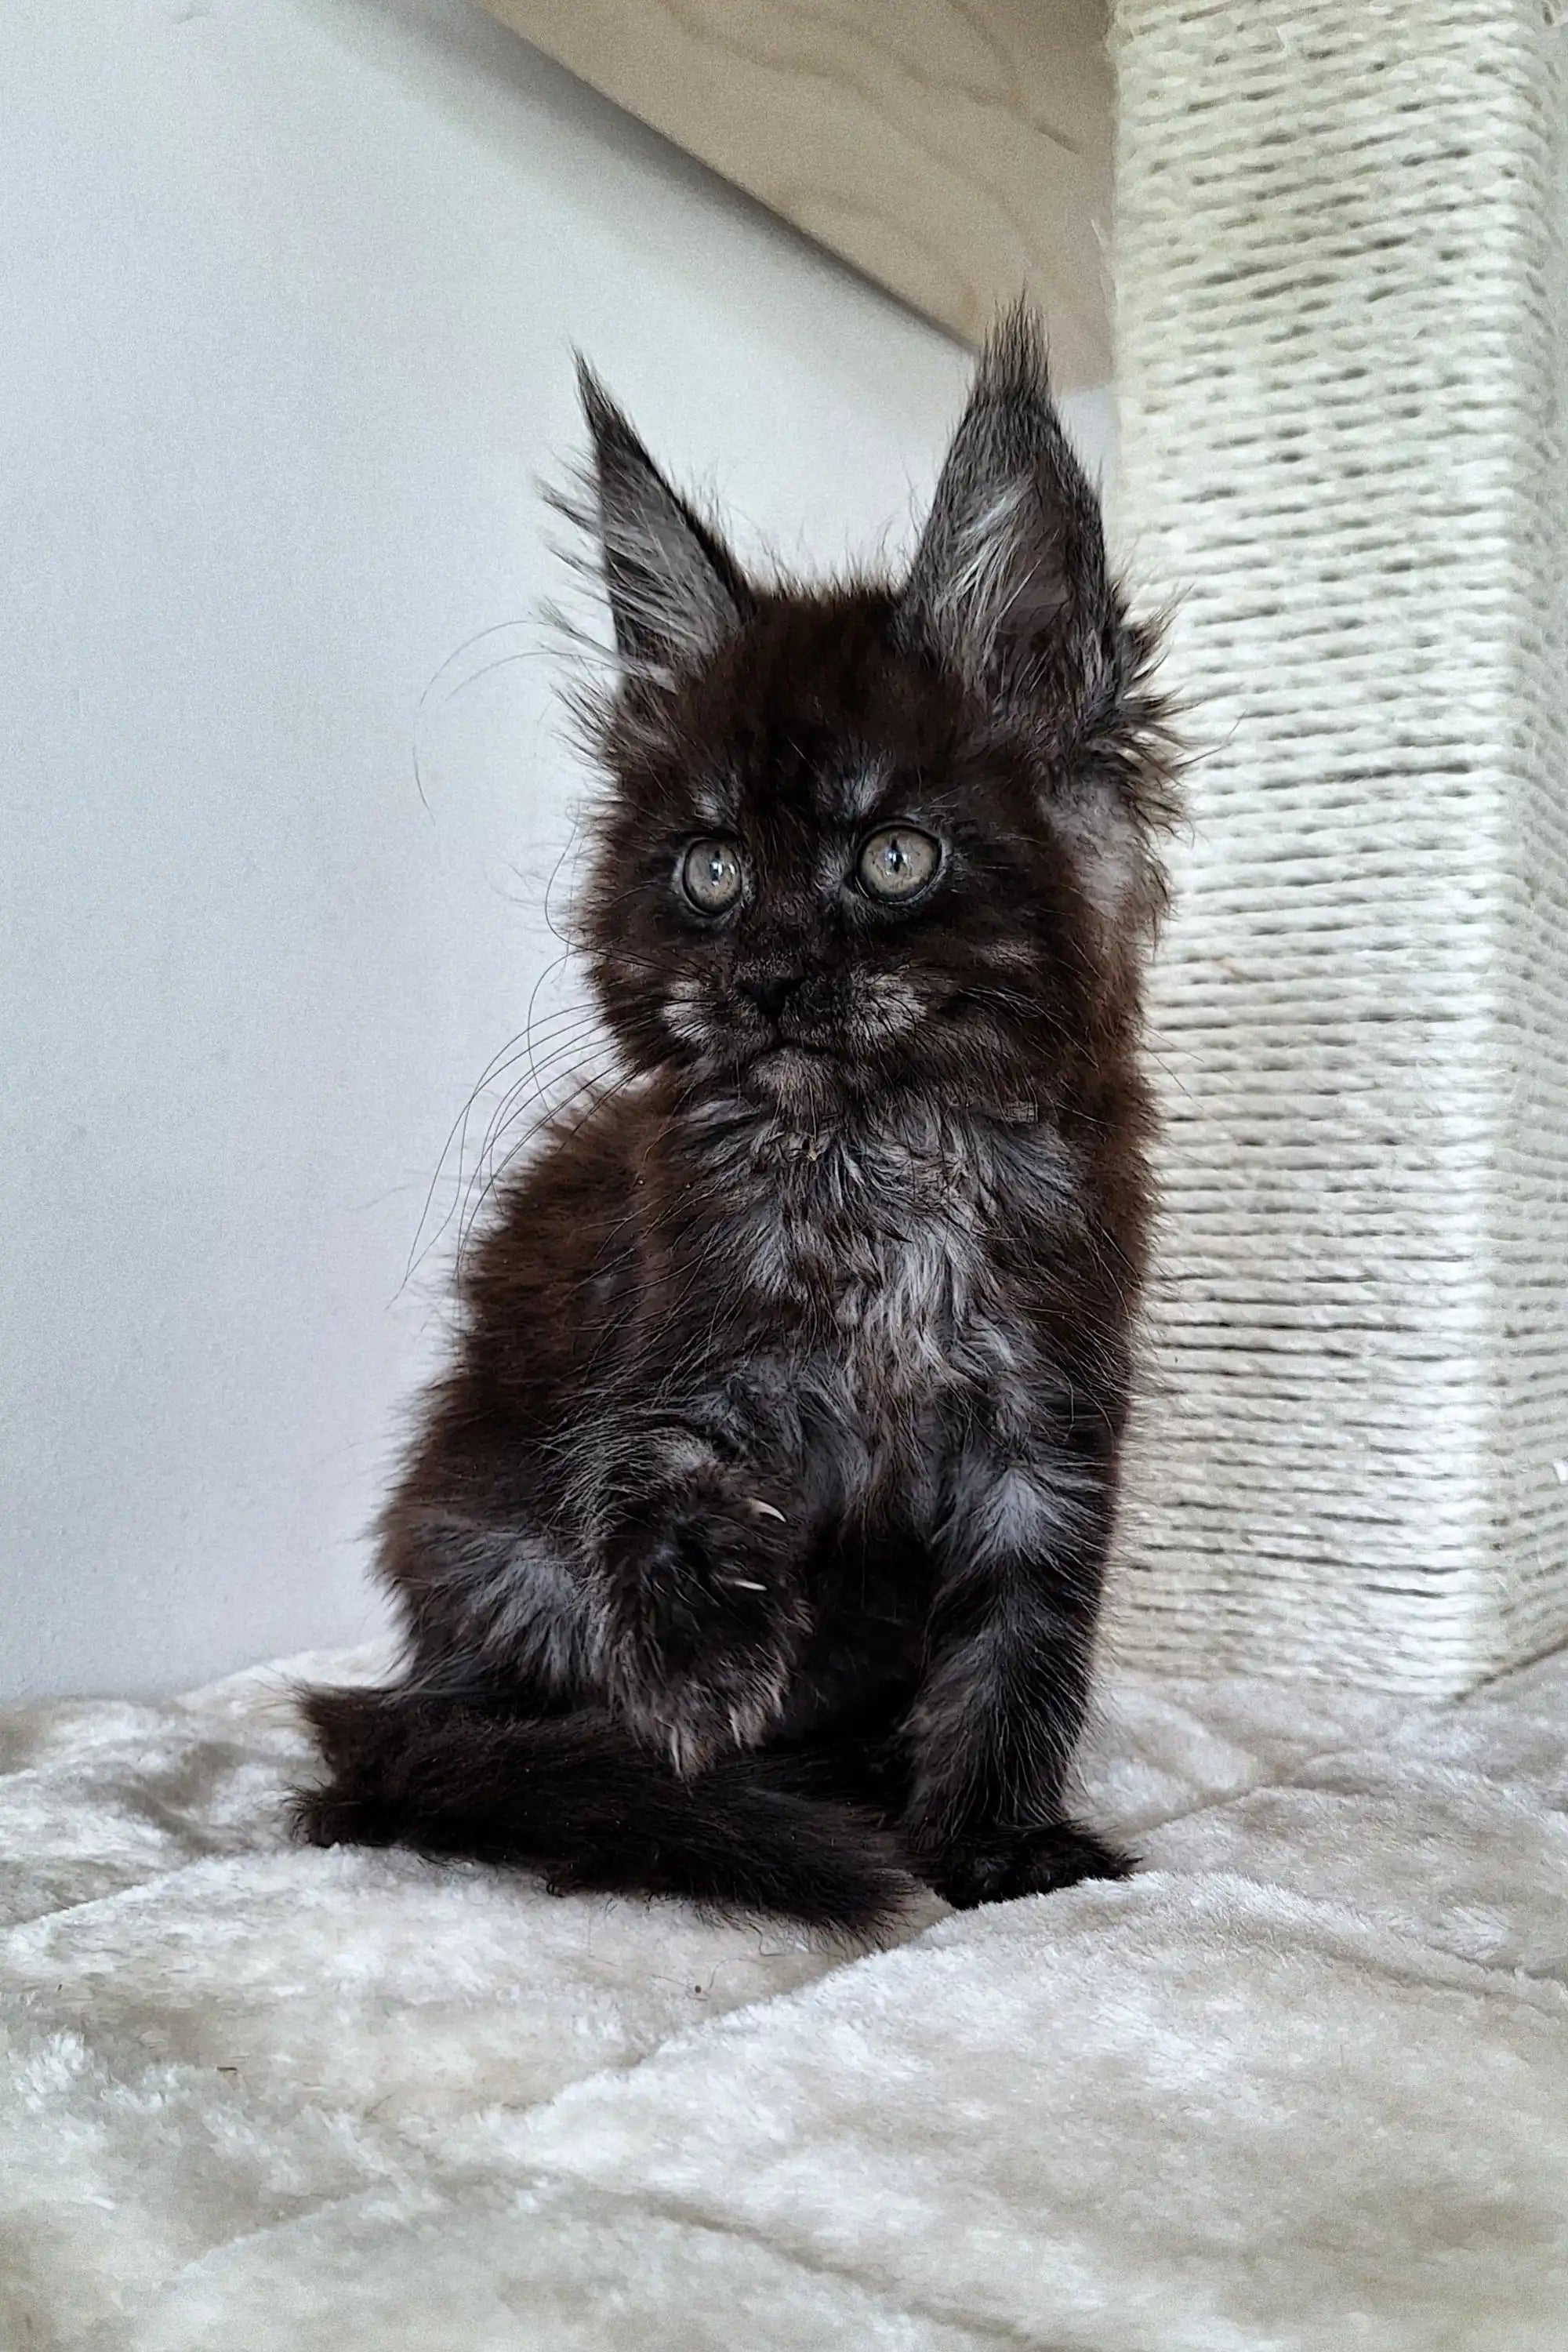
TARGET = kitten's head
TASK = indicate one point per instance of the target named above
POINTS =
(877, 836)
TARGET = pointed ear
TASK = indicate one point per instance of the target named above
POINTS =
(1009, 583)
(674, 590)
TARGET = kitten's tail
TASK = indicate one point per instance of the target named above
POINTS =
(574, 1798)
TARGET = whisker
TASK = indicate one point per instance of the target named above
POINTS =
(534, 1084)
(498, 1063)
(556, 1110)
(494, 630)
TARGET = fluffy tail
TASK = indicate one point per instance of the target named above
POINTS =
(574, 1798)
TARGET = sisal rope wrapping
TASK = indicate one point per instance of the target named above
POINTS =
(1342, 322)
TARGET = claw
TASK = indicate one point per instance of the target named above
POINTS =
(766, 1511)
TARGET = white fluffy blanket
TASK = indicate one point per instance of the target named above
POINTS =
(1301, 2084)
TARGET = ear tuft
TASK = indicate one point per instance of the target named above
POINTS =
(1009, 583)
(674, 590)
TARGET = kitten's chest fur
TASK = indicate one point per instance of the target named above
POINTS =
(879, 1249)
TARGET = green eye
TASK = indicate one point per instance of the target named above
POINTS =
(897, 861)
(710, 875)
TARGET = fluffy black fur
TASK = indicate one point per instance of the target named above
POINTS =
(751, 1550)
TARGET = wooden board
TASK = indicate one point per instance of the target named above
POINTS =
(957, 150)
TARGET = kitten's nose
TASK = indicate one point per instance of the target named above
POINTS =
(769, 990)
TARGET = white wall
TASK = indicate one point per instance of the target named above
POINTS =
(292, 285)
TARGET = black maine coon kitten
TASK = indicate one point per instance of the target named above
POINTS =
(751, 1548)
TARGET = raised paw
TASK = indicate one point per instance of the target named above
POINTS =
(1003, 1863)
(705, 1617)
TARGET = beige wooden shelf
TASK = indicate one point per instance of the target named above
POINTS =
(957, 150)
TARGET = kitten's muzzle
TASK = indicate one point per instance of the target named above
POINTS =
(770, 992)
(788, 1010)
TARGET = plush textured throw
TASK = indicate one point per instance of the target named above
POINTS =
(1303, 2082)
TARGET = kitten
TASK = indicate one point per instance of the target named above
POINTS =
(751, 1548)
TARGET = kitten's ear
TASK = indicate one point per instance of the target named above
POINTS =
(676, 592)
(1009, 583)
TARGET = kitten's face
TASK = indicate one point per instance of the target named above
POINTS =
(862, 839)
(817, 887)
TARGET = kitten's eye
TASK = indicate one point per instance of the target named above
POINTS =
(710, 875)
(897, 861)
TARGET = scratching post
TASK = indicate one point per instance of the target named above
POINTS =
(1343, 302)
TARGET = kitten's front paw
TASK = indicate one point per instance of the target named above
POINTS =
(706, 1618)
(995, 1868)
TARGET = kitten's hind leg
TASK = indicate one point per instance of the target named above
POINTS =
(858, 1759)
